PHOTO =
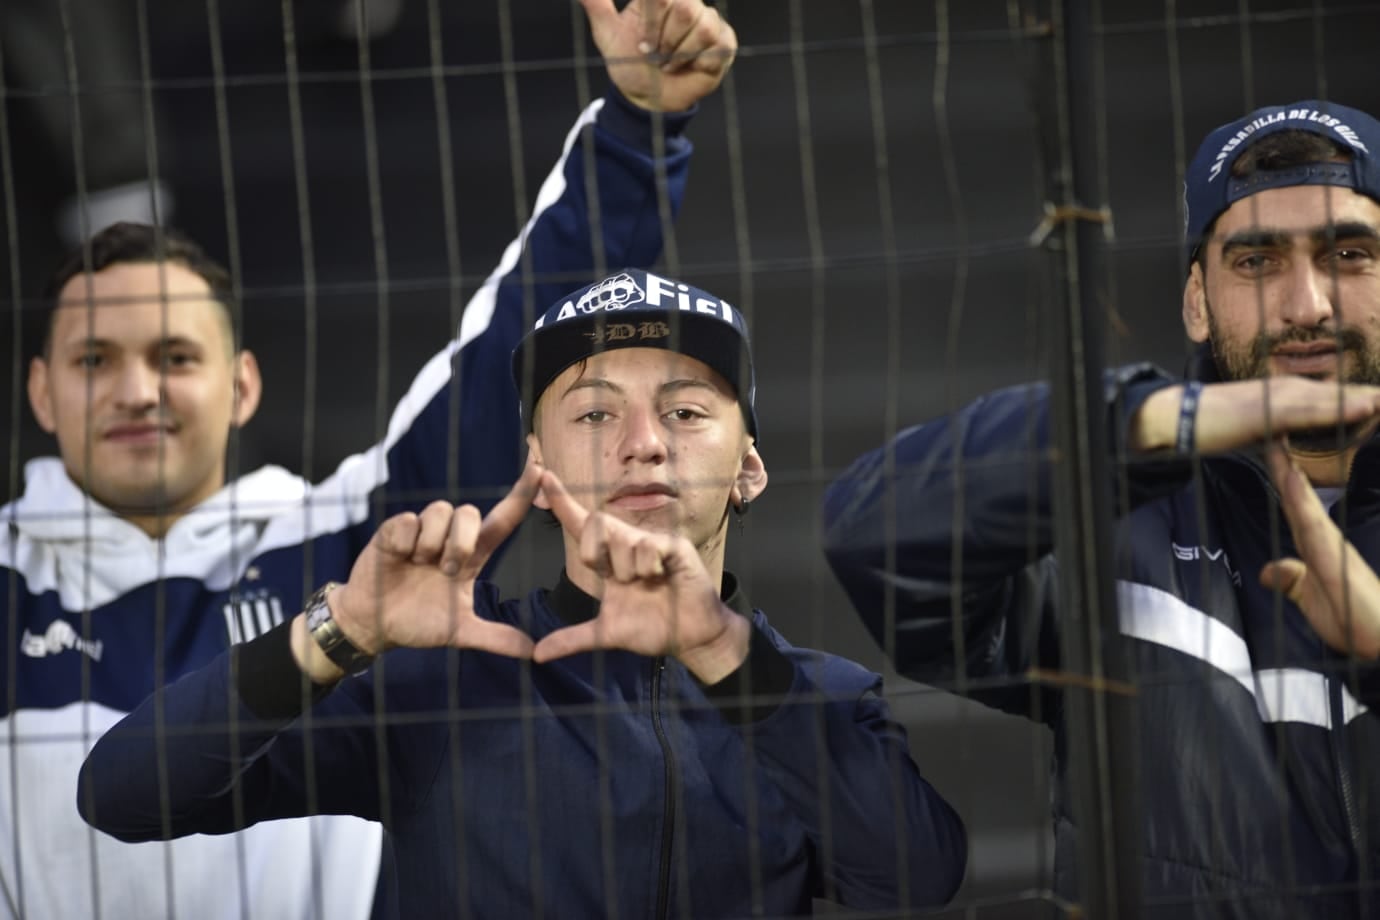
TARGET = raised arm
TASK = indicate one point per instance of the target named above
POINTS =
(607, 203)
(954, 518)
(952, 521)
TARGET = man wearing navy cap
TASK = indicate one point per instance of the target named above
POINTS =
(1252, 640)
(635, 741)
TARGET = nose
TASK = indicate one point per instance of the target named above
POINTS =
(1308, 300)
(139, 387)
(643, 438)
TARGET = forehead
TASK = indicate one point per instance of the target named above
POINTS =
(638, 371)
(136, 301)
(1298, 209)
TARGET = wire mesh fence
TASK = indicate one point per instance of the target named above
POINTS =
(910, 206)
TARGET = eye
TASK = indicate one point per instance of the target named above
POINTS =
(684, 414)
(1349, 256)
(1253, 263)
(179, 359)
(593, 417)
(90, 360)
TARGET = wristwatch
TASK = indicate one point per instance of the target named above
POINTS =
(326, 631)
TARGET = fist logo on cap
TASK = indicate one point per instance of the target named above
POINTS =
(611, 294)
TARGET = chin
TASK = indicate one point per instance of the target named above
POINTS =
(1328, 440)
(140, 496)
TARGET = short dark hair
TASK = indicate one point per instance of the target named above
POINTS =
(1284, 150)
(132, 243)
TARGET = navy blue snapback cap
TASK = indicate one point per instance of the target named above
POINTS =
(1210, 188)
(637, 309)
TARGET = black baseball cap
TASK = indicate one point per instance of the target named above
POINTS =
(1210, 188)
(637, 309)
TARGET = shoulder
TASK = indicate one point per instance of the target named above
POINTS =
(823, 669)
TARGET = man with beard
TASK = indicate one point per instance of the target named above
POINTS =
(1252, 643)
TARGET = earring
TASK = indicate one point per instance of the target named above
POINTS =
(740, 511)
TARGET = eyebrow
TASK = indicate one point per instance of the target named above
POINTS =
(670, 386)
(91, 342)
(1269, 238)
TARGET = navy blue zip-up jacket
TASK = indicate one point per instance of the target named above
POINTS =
(96, 614)
(1260, 781)
(593, 786)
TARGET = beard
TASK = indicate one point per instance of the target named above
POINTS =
(1251, 361)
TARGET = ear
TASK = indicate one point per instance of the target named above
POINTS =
(249, 388)
(1195, 305)
(40, 400)
(751, 480)
(534, 448)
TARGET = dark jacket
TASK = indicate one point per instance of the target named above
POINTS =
(595, 785)
(1260, 789)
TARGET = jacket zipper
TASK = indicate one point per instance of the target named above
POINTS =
(663, 887)
(1340, 749)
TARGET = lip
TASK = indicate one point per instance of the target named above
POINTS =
(642, 496)
(138, 434)
(1307, 350)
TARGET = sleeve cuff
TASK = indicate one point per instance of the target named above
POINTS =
(1152, 475)
(635, 126)
(267, 677)
(754, 691)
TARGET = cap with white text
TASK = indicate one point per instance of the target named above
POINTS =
(1210, 188)
(637, 309)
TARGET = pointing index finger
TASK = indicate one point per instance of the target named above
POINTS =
(567, 510)
(505, 516)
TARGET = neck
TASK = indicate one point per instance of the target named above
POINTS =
(1331, 469)
(1325, 470)
(155, 525)
(149, 517)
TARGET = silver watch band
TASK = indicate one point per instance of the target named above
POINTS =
(325, 631)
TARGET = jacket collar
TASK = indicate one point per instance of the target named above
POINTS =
(571, 605)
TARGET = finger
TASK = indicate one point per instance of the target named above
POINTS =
(653, 15)
(1319, 541)
(504, 517)
(1331, 583)
(622, 558)
(570, 640)
(698, 47)
(722, 48)
(680, 20)
(602, 13)
(460, 542)
(1291, 577)
(499, 638)
(398, 535)
(648, 561)
(567, 510)
(431, 537)
(1285, 576)
(594, 544)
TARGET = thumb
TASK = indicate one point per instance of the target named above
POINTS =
(1286, 576)
(601, 13)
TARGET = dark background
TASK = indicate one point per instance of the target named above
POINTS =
(864, 188)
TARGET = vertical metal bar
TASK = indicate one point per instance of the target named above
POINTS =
(1101, 743)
